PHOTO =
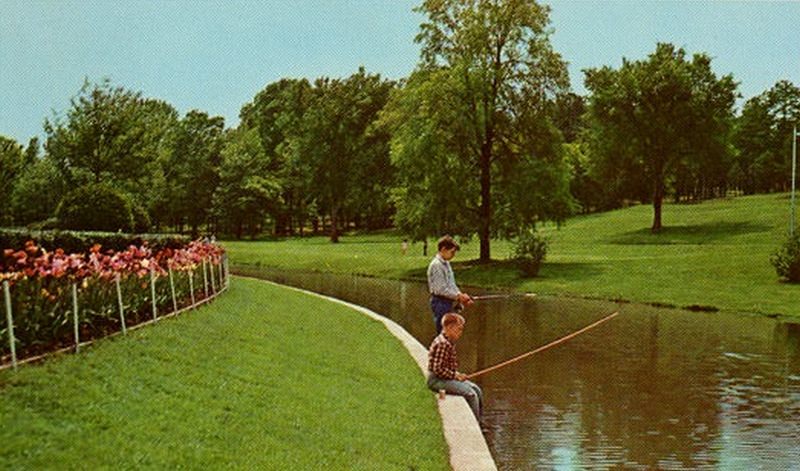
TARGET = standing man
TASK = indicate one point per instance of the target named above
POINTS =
(445, 295)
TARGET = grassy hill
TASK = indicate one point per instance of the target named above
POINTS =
(712, 255)
(260, 379)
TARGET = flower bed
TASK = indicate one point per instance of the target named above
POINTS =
(112, 289)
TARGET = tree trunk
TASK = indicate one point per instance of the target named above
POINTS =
(334, 226)
(658, 198)
(485, 210)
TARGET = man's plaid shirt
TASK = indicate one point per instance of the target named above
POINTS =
(442, 360)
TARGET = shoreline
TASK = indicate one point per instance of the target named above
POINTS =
(467, 445)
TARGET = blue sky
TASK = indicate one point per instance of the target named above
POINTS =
(216, 55)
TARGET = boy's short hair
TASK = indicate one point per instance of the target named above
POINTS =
(451, 318)
(447, 242)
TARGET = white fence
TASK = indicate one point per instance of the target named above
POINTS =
(213, 285)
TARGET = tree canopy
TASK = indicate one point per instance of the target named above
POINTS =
(483, 95)
(650, 118)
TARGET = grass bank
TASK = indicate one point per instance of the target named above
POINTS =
(264, 378)
(712, 255)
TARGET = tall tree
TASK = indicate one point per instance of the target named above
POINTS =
(192, 166)
(498, 75)
(432, 181)
(569, 111)
(276, 114)
(101, 137)
(32, 151)
(247, 191)
(11, 165)
(649, 117)
(336, 142)
(114, 135)
(763, 138)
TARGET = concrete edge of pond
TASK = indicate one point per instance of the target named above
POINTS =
(467, 445)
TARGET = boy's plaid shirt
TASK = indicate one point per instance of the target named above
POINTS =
(442, 359)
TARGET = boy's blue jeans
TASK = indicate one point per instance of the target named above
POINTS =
(440, 307)
(471, 391)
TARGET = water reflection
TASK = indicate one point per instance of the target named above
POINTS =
(651, 389)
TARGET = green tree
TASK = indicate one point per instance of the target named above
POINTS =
(492, 68)
(191, 168)
(336, 142)
(586, 190)
(11, 165)
(31, 152)
(246, 192)
(113, 135)
(568, 116)
(37, 192)
(102, 137)
(432, 181)
(276, 114)
(148, 190)
(650, 117)
(763, 139)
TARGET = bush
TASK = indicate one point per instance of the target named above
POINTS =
(529, 252)
(81, 242)
(787, 260)
(95, 207)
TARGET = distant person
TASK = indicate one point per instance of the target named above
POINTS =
(404, 246)
(445, 295)
(443, 365)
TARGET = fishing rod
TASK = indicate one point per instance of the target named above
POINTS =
(488, 297)
(543, 347)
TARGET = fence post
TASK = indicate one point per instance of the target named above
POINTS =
(227, 272)
(121, 309)
(205, 278)
(153, 293)
(75, 317)
(191, 287)
(10, 322)
(222, 282)
(172, 288)
(211, 275)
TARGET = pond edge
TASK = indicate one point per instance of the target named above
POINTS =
(467, 445)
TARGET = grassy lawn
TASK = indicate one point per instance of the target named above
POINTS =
(714, 254)
(264, 378)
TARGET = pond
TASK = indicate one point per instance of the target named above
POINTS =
(651, 388)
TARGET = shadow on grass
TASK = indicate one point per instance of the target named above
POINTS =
(695, 234)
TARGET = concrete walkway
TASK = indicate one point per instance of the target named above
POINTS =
(468, 448)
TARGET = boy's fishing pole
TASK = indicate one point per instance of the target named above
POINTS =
(489, 297)
(544, 347)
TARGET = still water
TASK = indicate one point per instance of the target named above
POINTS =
(651, 389)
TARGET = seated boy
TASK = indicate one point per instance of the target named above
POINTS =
(443, 364)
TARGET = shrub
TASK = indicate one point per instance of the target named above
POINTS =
(95, 207)
(529, 251)
(787, 260)
(82, 242)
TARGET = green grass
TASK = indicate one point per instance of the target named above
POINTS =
(263, 378)
(713, 255)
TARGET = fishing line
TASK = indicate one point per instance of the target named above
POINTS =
(544, 347)
(487, 297)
